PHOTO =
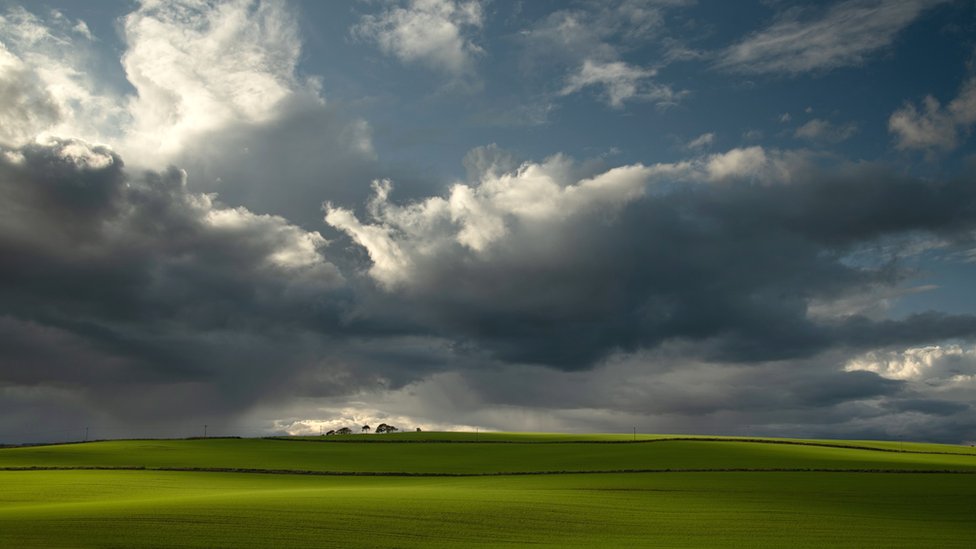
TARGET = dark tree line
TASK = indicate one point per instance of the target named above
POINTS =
(382, 428)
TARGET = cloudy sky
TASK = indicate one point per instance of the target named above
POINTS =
(689, 217)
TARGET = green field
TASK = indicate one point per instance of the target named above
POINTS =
(501, 490)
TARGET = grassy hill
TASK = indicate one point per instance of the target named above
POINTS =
(779, 493)
(432, 454)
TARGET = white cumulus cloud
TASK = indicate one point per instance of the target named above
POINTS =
(197, 67)
(52, 80)
(436, 33)
(476, 216)
(933, 364)
(934, 126)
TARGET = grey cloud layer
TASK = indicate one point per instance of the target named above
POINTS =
(666, 391)
(131, 291)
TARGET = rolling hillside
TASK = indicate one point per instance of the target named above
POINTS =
(441, 490)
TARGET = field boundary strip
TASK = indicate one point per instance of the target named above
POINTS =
(331, 440)
(484, 474)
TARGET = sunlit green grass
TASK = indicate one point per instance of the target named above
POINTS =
(763, 507)
(152, 508)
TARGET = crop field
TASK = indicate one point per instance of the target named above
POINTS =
(463, 489)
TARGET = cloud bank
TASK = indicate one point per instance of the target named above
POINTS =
(204, 243)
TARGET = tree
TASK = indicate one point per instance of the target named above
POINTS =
(330, 433)
(384, 428)
(365, 428)
(344, 431)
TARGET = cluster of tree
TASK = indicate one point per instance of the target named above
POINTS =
(383, 428)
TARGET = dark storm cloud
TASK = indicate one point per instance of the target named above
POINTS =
(131, 292)
(140, 293)
(731, 265)
(928, 406)
(833, 388)
(664, 391)
(669, 383)
(915, 329)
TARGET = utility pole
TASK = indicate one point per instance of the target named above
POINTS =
(86, 434)
(635, 433)
(205, 431)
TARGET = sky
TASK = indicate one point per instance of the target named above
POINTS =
(730, 218)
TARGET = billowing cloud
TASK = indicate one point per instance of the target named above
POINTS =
(436, 33)
(197, 67)
(934, 127)
(218, 93)
(535, 195)
(54, 82)
(208, 86)
(547, 265)
(843, 35)
(933, 364)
